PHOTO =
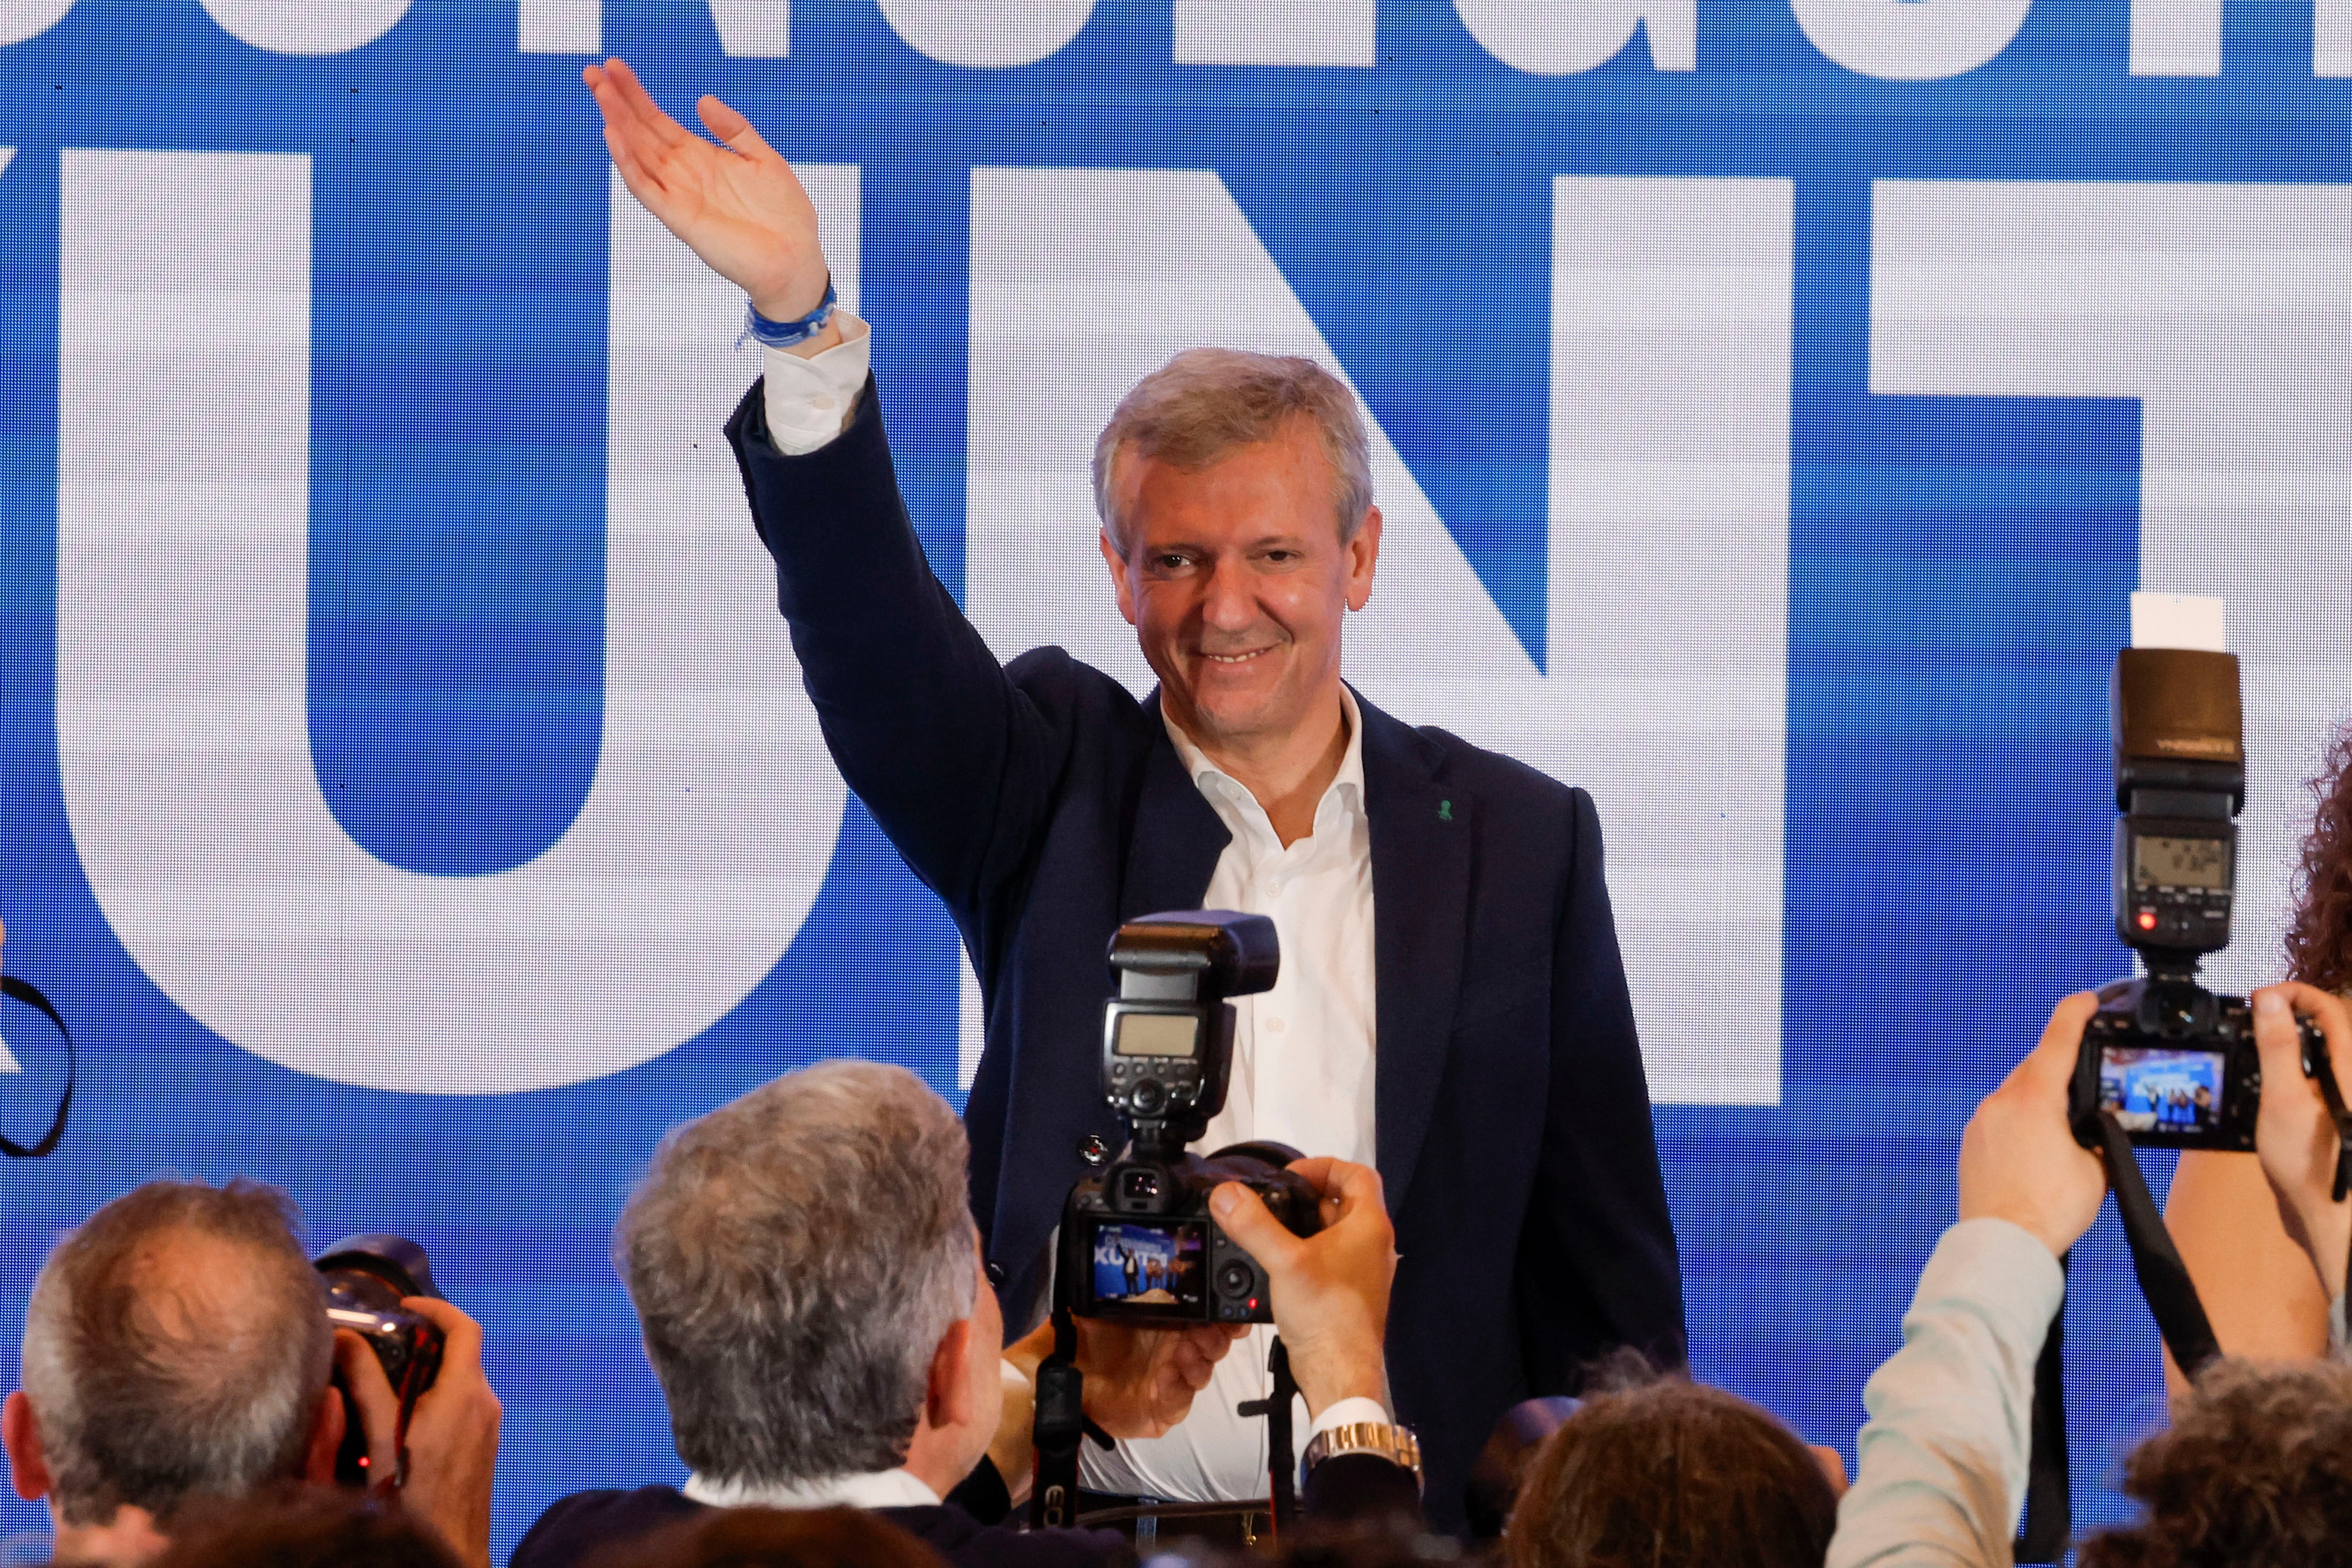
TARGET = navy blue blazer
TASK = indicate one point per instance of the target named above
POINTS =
(1046, 805)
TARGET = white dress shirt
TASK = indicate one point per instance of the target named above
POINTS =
(875, 1489)
(1303, 1052)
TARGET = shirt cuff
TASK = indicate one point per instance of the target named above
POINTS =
(1348, 1412)
(810, 400)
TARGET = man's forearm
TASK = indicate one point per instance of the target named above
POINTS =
(1944, 1459)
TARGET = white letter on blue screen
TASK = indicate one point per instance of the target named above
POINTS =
(2226, 310)
(1910, 40)
(183, 381)
(1667, 696)
(1548, 39)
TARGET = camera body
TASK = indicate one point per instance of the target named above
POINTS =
(367, 1278)
(1138, 1243)
(2172, 1062)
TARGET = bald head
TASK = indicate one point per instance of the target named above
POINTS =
(175, 1346)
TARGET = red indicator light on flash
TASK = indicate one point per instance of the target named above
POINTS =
(2147, 920)
(1253, 1303)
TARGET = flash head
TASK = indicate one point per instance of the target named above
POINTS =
(1167, 1036)
(2180, 778)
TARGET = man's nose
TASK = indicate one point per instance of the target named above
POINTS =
(1228, 600)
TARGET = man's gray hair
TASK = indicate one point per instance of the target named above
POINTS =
(795, 1258)
(1204, 403)
(176, 1346)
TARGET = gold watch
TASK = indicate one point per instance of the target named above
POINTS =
(1397, 1445)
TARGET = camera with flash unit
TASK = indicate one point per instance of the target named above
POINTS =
(2172, 1062)
(1138, 1242)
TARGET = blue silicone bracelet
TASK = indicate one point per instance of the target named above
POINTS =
(784, 334)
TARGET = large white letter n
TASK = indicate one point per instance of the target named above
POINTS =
(184, 383)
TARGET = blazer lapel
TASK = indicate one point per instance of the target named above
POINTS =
(1421, 904)
(1172, 849)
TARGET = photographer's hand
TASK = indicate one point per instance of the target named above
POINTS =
(1140, 1382)
(1330, 1290)
(452, 1433)
(2294, 1136)
(2019, 1159)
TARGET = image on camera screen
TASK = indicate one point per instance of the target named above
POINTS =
(2153, 1089)
(1150, 1265)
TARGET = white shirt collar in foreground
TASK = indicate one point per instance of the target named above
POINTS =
(877, 1488)
(1348, 781)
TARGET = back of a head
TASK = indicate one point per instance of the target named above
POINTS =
(299, 1526)
(1671, 1474)
(176, 1346)
(795, 1258)
(774, 1538)
(2256, 1472)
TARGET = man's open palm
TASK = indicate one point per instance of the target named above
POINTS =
(735, 200)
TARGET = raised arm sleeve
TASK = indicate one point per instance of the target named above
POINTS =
(956, 762)
(1942, 1459)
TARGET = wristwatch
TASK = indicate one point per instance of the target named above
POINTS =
(1397, 1445)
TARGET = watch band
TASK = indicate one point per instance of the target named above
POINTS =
(1397, 1445)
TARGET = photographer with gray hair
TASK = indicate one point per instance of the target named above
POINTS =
(177, 1349)
(808, 1278)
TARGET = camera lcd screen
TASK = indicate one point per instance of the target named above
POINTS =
(2153, 1089)
(2181, 862)
(1157, 1034)
(1151, 1265)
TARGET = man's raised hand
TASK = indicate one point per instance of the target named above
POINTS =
(734, 201)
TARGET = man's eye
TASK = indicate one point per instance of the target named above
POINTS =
(1172, 563)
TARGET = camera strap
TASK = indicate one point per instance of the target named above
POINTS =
(2172, 1301)
(1281, 1460)
(1059, 1427)
(25, 992)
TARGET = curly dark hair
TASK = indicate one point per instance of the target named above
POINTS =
(2256, 1472)
(2319, 941)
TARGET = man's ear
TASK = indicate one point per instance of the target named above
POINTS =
(1118, 579)
(20, 1434)
(948, 1401)
(1363, 554)
(326, 1439)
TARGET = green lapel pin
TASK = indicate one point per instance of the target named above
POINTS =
(1445, 810)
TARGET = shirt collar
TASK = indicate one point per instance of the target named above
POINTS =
(1347, 784)
(875, 1489)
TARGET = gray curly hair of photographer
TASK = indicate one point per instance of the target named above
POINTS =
(795, 1257)
(176, 1346)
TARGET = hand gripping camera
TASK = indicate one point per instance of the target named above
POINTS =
(1138, 1243)
(367, 1277)
(2173, 1063)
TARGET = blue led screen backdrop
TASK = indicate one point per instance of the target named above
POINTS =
(411, 798)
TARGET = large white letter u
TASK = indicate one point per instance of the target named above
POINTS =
(183, 559)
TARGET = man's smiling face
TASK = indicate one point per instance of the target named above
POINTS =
(1236, 582)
